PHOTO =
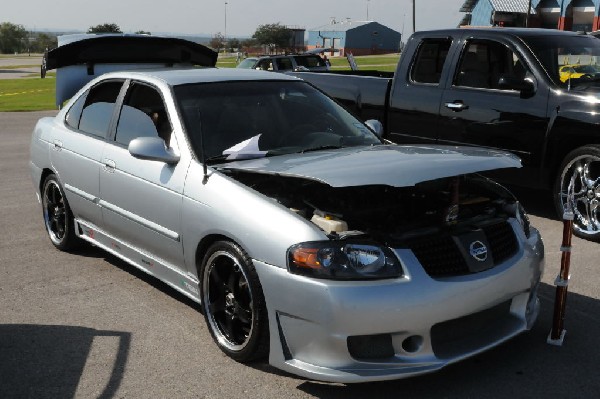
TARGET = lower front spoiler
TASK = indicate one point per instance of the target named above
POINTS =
(398, 366)
(353, 332)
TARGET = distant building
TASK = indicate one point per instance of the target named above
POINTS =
(357, 37)
(574, 15)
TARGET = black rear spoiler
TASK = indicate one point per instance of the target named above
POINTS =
(89, 57)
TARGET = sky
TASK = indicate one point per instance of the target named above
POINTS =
(207, 17)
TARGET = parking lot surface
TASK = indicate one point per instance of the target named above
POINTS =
(88, 325)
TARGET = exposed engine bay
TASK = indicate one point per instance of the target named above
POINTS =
(386, 213)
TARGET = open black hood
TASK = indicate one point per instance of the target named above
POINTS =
(123, 49)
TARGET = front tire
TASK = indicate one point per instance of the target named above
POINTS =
(58, 218)
(233, 302)
(579, 179)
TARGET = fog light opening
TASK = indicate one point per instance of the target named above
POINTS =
(412, 344)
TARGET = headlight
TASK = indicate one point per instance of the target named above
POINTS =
(343, 260)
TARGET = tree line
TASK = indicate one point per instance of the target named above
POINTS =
(16, 39)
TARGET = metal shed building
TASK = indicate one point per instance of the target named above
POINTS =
(576, 15)
(357, 37)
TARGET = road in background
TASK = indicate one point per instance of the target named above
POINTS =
(26, 66)
(89, 325)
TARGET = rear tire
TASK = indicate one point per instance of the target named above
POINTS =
(233, 302)
(58, 218)
(580, 179)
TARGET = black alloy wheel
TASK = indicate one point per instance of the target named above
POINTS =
(233, 302)
(58, 218)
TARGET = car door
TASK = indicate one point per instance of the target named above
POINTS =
(477, 110)
(78, 148)
(141, 199)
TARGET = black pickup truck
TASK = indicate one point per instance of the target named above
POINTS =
(534, 92)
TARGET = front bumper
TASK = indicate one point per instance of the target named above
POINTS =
(361, 331)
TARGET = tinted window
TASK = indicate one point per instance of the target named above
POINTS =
(265, 65)
(284, 64)
(143, 115)
(309, 61)
(430, 60)
(98, 108)
(484, 62)
(74, 113)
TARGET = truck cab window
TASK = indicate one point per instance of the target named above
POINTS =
(429, 61)
(484, 62)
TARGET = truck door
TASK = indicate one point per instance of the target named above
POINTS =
(477, 110)
(416, 94)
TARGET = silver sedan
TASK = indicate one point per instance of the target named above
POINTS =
(304, 235)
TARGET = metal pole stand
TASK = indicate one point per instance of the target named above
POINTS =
(557, 334)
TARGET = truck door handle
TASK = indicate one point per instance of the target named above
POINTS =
(457, 106)
(109, 165)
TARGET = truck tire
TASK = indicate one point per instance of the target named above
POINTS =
(579, 179)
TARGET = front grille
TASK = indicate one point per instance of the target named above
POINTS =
(440, 255)
(502, 241)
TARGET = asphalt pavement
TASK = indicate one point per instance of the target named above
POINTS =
(87, 325)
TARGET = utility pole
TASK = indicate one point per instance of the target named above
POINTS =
(528, 13)
(414, 16)
(225, 34)
(368, 1)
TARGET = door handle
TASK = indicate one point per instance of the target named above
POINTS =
(109, 165)
(58, 145)
(457, 106)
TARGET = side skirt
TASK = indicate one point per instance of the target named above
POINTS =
(185, 283)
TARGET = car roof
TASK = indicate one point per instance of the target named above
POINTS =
(175, 77)
(518, 32)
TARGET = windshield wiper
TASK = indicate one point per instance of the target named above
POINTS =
(322, 147)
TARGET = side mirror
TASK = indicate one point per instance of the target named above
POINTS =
(153, 149)
(375, 126)
(525, 86)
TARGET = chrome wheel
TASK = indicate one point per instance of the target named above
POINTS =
(228, 301)
(580, 183)
(55, 212)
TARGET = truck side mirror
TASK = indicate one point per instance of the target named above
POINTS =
(525, 86)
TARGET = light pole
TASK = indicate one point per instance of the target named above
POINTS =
(368, 1)
(225, 33)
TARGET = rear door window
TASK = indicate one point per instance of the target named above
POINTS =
(98, 108)
(430, 60)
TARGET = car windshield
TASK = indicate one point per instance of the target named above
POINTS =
(568, 59)
(248, 63)
(251, 119)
